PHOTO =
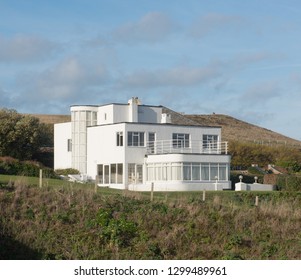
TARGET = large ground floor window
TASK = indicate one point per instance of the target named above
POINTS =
(135, 173)
(187, 171)
(110, 173)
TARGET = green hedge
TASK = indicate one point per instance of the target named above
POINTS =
(289, 183)
(11, 166)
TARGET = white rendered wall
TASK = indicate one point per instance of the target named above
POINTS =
(102, 148)
(117, 113)
(62, 158)
(180, 186)
(254, 187)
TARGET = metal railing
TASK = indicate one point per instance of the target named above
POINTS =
(186, 147)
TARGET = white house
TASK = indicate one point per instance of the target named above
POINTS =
(133, 146)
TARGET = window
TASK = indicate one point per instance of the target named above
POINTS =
(107, 174)
(210, 141)
(223, 171)
(151, 142)
(139, 172)
(195, 172)
(119, 173)
(213, 171)
(176, 171)
(100, 173)
(187, 172)
(119, 140)
(135, 173)
(94, 118)
(131, 173)
(69, 145)
(112, 173)
(88, 118)
(180, 140)
(136, 139)
(205, 172)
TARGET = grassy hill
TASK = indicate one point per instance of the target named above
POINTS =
(234, 129)
(52, 119)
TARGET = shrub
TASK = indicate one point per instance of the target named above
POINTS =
(66, 171)
(11, 166)
(289, 183)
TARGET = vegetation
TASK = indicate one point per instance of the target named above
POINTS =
(11, 166)
(67, 171)
(75, 222)
(237, 130)
(246, 154)
(22, 136)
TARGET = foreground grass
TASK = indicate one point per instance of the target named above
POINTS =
(75, 222)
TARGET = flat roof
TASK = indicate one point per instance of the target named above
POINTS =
(119, 104)
(158, 124)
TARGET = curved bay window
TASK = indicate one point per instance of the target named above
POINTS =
(187, 171)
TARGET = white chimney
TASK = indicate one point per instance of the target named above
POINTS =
(133, 109)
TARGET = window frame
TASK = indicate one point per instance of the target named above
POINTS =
(136, 139)
(181, 140)
(119, 138)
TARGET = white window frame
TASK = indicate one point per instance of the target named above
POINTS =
(140, 139)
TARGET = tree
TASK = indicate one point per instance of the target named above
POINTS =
(20, 136)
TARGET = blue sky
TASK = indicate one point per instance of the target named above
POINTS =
(240, 58)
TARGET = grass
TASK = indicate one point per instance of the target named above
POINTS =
(63, 222)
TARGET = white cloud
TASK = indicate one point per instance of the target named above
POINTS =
(213, 21)
(71, 80)
(183, 76)
(151, 28)
(25, 48)
(262, 93)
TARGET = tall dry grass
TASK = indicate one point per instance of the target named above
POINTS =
(74, 223)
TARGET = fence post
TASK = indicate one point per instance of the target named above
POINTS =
(204, 195)
(96, 183)
(41, 178)
(152, 192)
(256, 200)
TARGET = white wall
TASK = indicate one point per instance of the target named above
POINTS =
(254, 187)
(101, 147)
(62, 158)
(188, 158)
(116, 113)
(179, 186)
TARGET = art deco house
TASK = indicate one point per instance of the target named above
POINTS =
(134, 146)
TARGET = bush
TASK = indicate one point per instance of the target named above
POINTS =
(11, 166)
(289, 183)
(66, 171)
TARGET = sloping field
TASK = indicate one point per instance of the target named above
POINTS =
(52, 119)
(234, 129)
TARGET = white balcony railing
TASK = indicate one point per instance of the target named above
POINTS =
(185, 147)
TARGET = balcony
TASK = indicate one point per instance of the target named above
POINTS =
(185, 147)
